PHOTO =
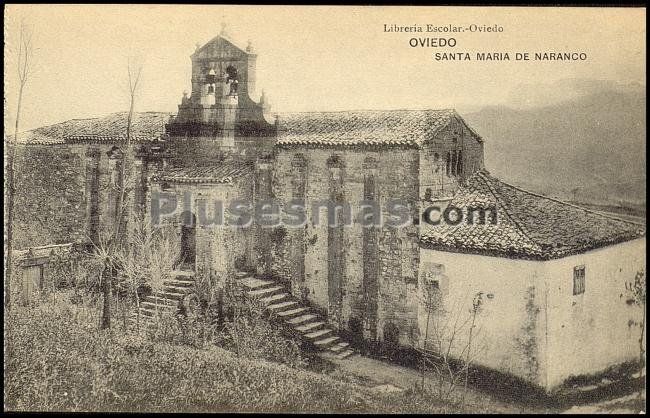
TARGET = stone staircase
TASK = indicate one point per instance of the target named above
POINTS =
(165, 300)
(307, 323)
(294, 314)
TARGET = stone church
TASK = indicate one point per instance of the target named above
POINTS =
(553, 274)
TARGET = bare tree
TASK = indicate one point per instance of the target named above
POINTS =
(449, 348)
(24, 64)
(117, 240)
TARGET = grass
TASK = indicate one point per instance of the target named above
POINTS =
(58, 360)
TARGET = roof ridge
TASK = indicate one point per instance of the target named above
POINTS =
(366, 110)
(228, 38)
(486, 180)
(604, 215)
(467, 125)
(94, 118)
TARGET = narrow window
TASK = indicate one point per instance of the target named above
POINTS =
(448, 164)
(578, 280)
(454, 160)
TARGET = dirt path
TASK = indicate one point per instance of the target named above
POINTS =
(630, 404)
(384, 376)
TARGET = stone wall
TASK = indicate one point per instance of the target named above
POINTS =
(220, 249)
(66, 193)
(453, 154)
(345, 173)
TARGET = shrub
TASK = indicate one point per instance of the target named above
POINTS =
(252, 337)
(60, 361)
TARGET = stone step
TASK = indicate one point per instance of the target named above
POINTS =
(182, 273)
(292, 312)
(336, 348)
(275, 298)
(302, 319)
(267, 291)
(318, 334)
(161, 301)
(282, 306)
(345, 354)
(176, 289)
(169, 295)
(311, 326)
(148, 313)
(242, 274)
(251, 283)
(153, 305)
(179, 283)
(326, 341)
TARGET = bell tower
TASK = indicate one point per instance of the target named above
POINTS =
(220, 107)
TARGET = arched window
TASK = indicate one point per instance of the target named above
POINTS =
(454, 161)
(335, 165)
(299, 162)
(334, 161)
(232, 72)
(448, 164)
(370, 163)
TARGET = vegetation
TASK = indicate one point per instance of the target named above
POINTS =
(62, 361)
(449, 346)
(25, 67)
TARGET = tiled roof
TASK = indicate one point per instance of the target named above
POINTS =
(528, 225)
(364, 127)
(146, 126)
(221, 172)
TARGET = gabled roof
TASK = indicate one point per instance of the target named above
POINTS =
(409, 128)
(222, 39)
(226, 172)
(528, 225)
(146, 126)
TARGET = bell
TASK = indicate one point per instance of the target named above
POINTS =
(211, 77)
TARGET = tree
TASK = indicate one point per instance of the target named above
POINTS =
(118, 237)
(449, 347)
(24, 64)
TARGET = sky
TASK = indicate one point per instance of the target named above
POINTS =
(309, 58)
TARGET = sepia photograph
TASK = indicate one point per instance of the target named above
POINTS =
(324, 209)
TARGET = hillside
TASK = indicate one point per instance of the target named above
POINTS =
(590, 148)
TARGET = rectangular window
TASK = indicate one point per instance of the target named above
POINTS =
(578, 280)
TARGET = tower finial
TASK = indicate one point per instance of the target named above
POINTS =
(224, 25)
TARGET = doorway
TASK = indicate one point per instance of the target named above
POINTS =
(187, 257)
